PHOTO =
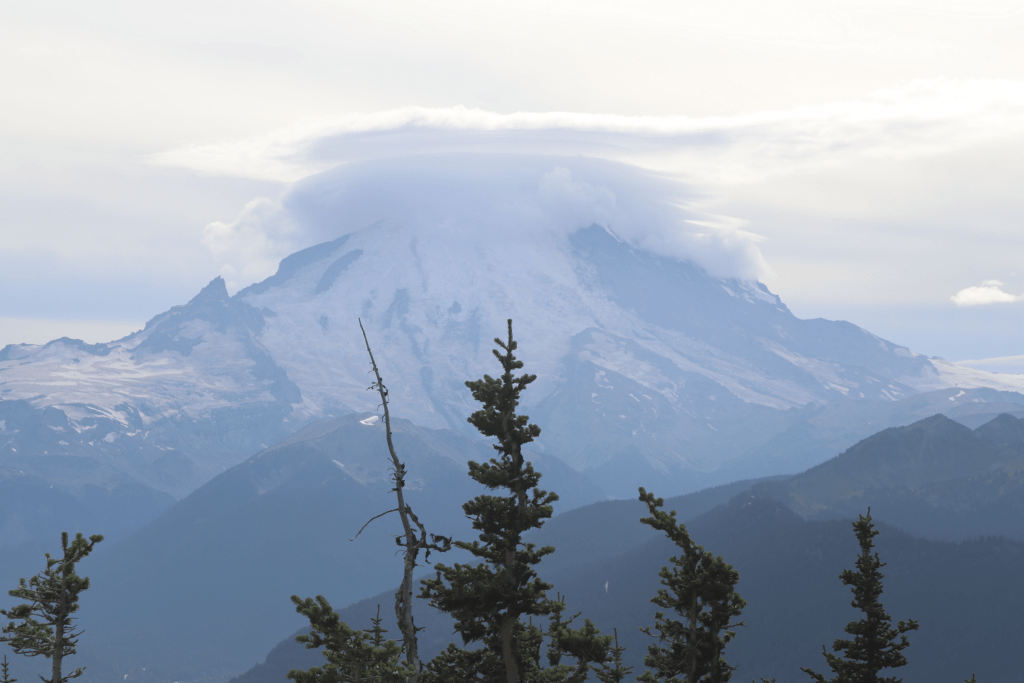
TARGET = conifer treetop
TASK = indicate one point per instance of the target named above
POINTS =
(700, 589)
(5, 674)
(876, 645)
(46, 625)
(500, 398)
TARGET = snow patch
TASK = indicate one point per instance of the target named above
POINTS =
(762, 295)
(963, 377)
(372, 420)
(825, 372)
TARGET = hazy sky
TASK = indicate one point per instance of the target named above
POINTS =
(873, 152)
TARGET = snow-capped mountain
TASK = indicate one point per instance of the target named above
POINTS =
(646, 364)
(151, 405)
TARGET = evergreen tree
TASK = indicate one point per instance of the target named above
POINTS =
(490, 600)
(876, 645)
(47, 626)
(5, 675)
(353, 656)
(701, 588)
(614, 671)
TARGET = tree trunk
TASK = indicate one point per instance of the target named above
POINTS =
(403, 612)
(510, 620)
(403, 598)
(507, 651)
(59, 625)
(692, 677)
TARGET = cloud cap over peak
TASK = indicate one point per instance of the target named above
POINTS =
(470, 199)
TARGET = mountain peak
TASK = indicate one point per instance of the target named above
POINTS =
(1004, 430)
(217, 290)
(936, 423)
(929, 451)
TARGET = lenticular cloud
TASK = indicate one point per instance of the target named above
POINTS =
(475, 199)
(469, 174)
(923, 118)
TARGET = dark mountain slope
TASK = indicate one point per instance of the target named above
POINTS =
(584, 537)
(934, 478)
(789, 571)
(789, 575)
(1003, 430)
(34, 511)
(818, 432)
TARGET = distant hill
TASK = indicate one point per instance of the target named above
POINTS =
(935, 478)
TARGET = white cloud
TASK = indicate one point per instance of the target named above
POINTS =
(989, 292)
(251, 246)
(921, 119)
(574, 202)
(473, 198)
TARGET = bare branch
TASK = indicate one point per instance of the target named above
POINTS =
(370, 520)
(412, 544)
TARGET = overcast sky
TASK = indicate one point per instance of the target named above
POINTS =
(872, 151)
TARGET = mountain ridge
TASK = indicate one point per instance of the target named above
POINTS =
(642, 360)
